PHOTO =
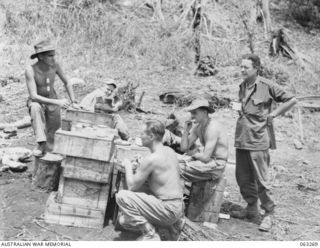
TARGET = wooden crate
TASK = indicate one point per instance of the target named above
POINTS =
(87, 169)
(83, 193)
(72, 215)
(72, 116)
(205, 200)
(78, 144)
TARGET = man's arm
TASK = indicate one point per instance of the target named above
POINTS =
(135, 181)
(117, 106)
(211, 137)
(32, 88)
(66, 83)
(188, 137)
(279, 95)
(284, 107)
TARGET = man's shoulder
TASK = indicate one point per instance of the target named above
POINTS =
(160, 154)
(29, 70)
(265, 81)
(215, 125)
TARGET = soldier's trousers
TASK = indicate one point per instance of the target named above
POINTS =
(253, 177)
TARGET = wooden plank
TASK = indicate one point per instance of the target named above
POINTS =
(75, 116)
(83, 193)
(77, 144)
(72, 215)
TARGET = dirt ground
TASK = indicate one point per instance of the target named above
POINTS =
(295, 173)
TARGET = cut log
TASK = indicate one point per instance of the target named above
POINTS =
(205, 200)
(47, 172)
(192, 231)
(25, 122)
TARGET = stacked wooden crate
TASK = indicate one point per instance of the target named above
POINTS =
(85, 180)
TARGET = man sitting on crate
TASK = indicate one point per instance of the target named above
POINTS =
(209, 163)
(164, 206)
(43, 103)
(106, 100)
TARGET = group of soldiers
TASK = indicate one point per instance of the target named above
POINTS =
(162, 203)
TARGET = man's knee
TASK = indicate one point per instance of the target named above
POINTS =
(35, 108)
(123, 196)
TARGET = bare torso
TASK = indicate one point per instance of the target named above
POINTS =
(221, 148)
(164, 181)
(45, 81)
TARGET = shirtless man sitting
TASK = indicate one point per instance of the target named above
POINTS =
(43, 103)
(209, 163)
(164, 207)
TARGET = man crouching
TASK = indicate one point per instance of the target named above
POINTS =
(164, 206)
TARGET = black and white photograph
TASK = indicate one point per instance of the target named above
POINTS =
(160, 120)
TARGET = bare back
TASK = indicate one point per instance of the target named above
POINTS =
(164, 179)
(215, 131)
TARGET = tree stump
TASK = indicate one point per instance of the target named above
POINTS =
(47, 172)
(205, 200)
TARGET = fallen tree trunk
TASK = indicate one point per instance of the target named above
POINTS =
(25, 122)
(193, 232)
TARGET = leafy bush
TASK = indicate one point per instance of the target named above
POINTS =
(306, 12)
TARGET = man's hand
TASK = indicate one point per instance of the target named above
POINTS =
(187, 126)
(195, 156)
(126, 163)
(64, 103)
(76, 106)
(270, 118)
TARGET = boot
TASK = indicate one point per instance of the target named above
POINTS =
(250, 212)
(266, 223)
(123, 224)
(176, 229)
(40, 150)
(148, 233)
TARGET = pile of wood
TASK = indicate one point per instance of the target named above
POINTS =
(85, 180)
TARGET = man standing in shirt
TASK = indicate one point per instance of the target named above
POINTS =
(43, 103)
(254, 136)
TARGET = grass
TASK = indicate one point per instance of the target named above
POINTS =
(134, 44)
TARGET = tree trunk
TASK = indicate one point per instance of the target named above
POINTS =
(196, 26)
(266, 14)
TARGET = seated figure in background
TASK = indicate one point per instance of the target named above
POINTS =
(106, 100)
